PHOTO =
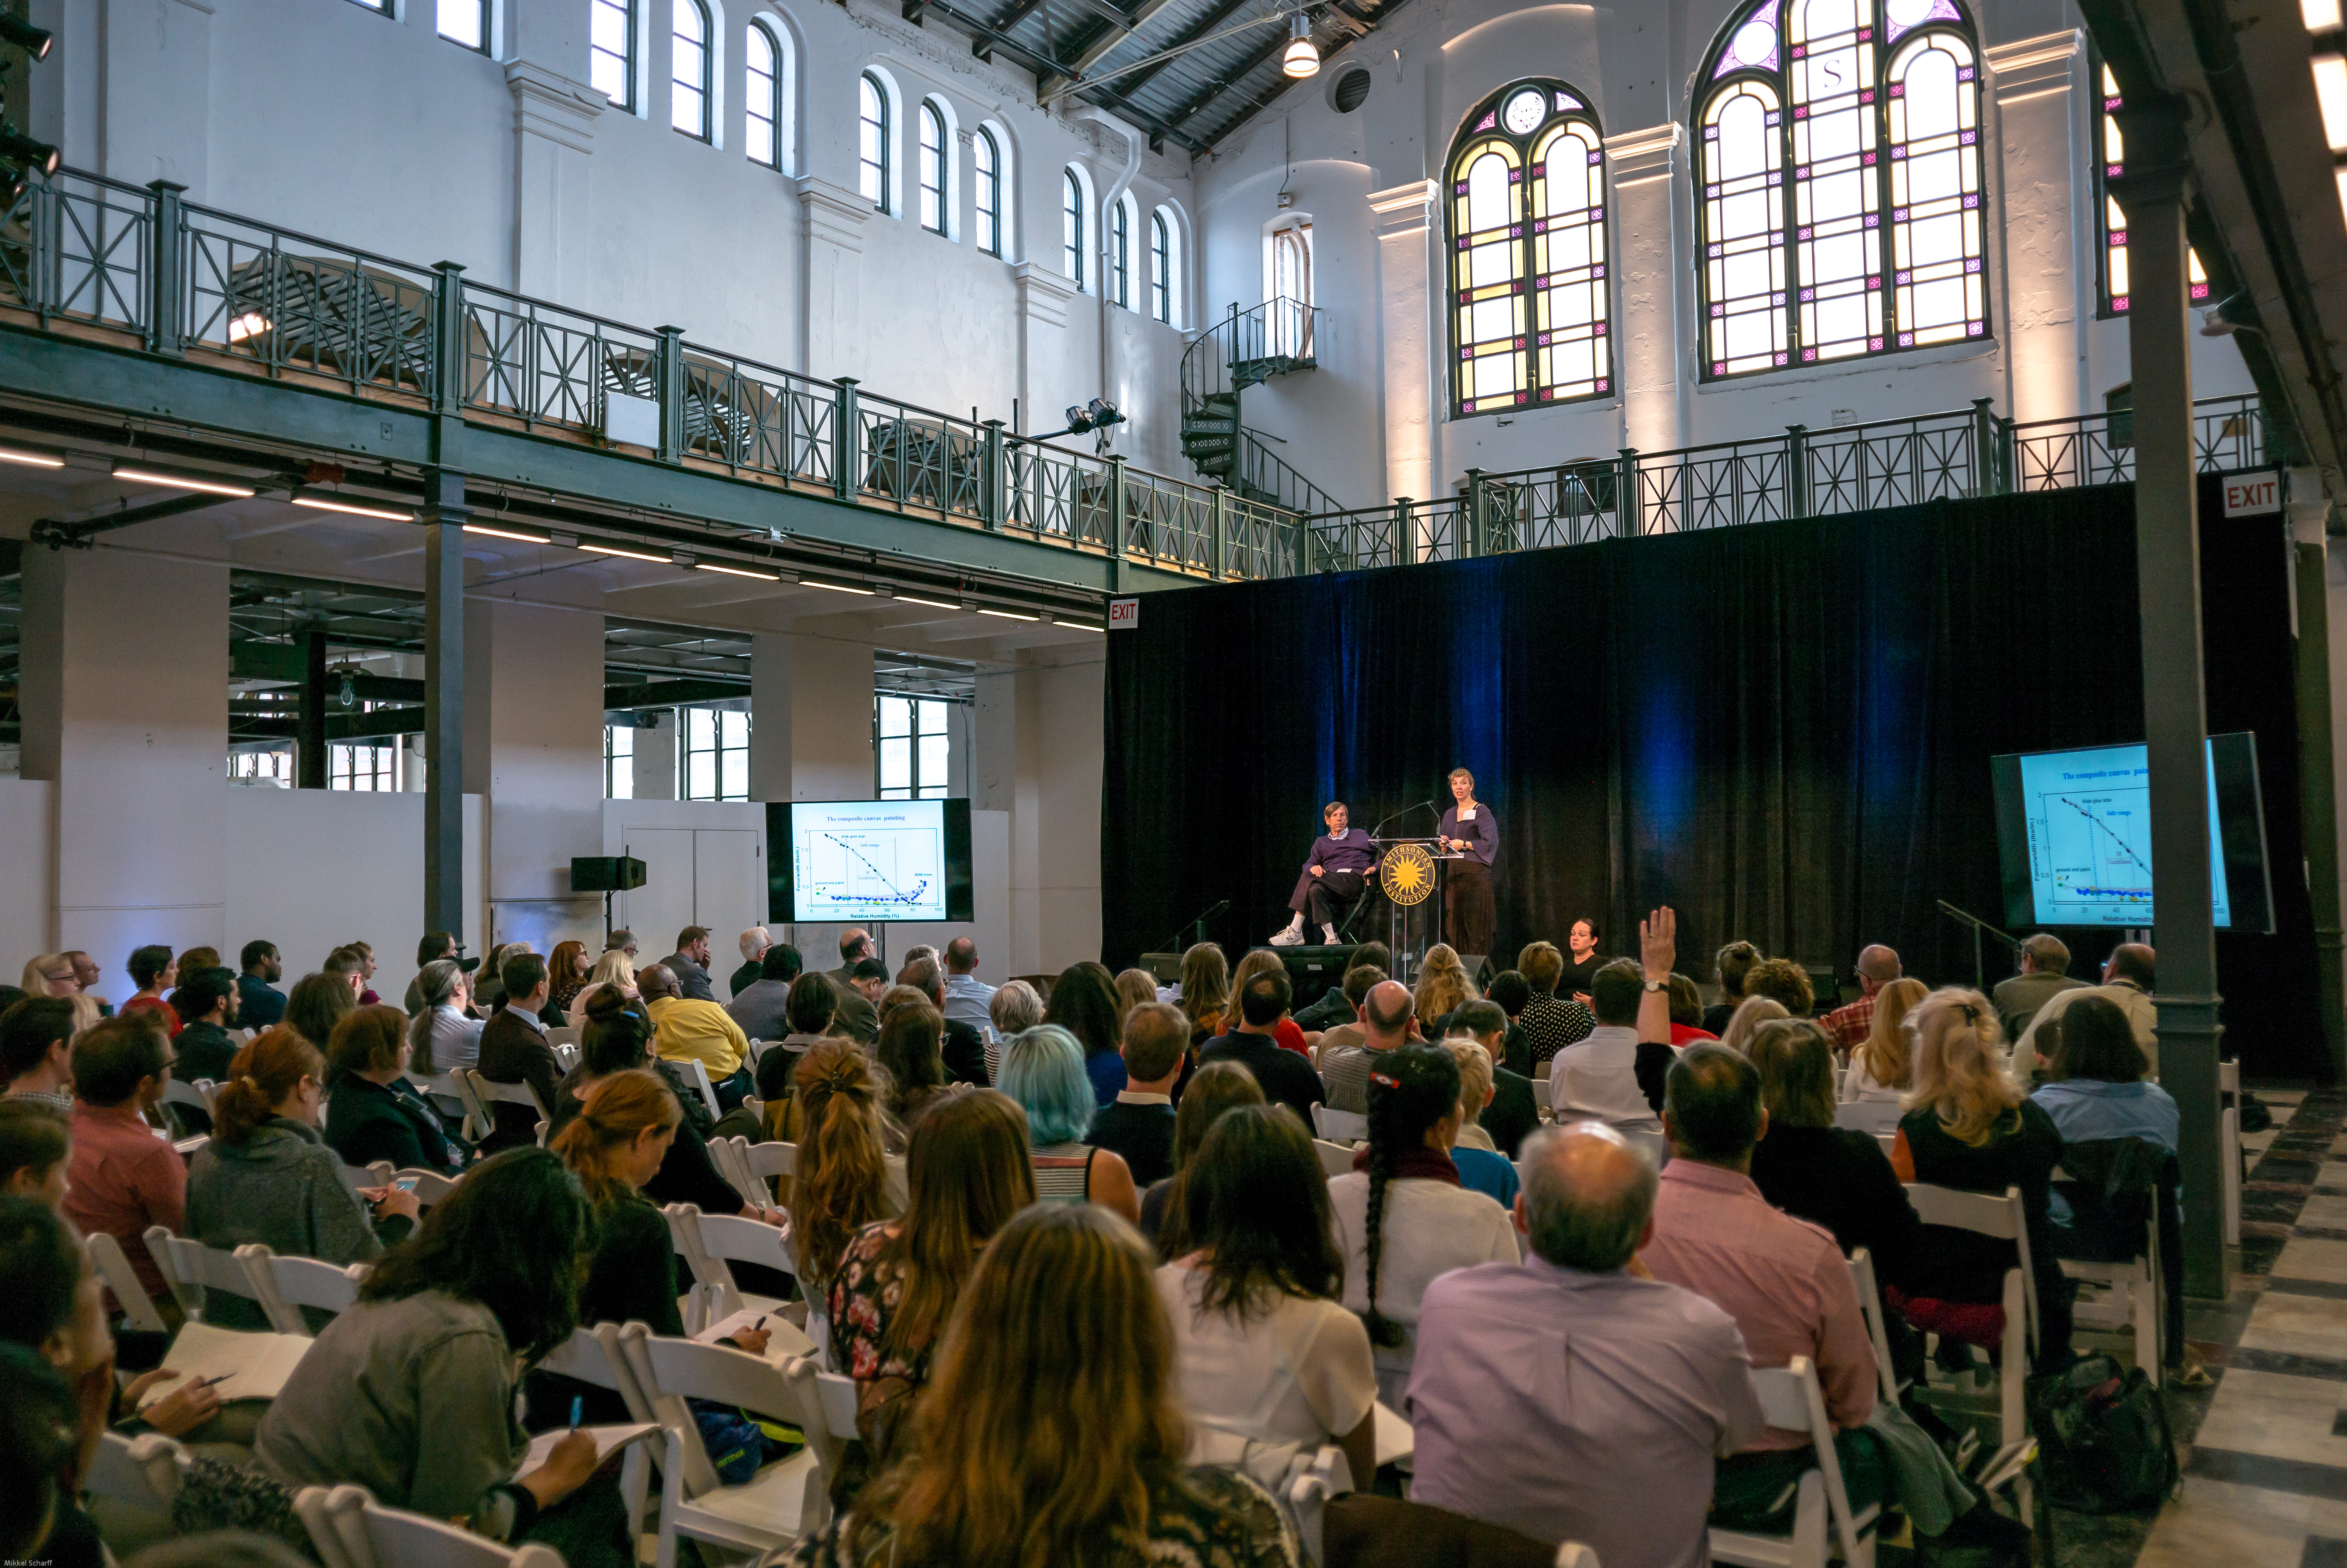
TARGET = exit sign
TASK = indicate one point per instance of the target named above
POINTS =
(2250, 495)
(1123, 614)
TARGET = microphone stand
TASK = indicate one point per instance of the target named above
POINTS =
(1196, 929)
(1391, 816)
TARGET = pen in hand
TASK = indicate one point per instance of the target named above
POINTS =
(578, 1410)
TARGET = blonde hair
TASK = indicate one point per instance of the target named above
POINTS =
(1750, 1015)
(836, 1182)
(1474, 1072)
(1258, 961)
(1205, 984)
(1442, 986)
(1960, 1073)
(1886, 1050)
(614, 968)
(617, 1109)
(36, 972)
(1134, 988)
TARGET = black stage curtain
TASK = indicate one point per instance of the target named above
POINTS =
(1783, 731)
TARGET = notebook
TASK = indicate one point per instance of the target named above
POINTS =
(248, 1365)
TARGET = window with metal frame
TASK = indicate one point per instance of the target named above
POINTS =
(1119, 255)
(2110, 163)
(1839, 183)
(933, 168)
(872, 140)
(986, 160)
(716, 755)
(1161, 269)
(379, 8)
(273, 768)
(689, 57)
(1072, 226)
(612, 50)
(618, 762)
(762, 65)
(912, 750)
(465, 22)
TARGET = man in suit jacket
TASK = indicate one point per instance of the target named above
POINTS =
(514, 1050)
(964, 1048)
(2044, 971)
(690, 964)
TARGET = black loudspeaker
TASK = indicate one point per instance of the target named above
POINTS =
(1313, 972)
(1165, 967)
(605, 873)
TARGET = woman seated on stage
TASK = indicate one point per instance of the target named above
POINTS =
(1289, 1035)
(1043, 1070)
(1442, 986)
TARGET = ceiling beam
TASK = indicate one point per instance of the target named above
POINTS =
(1247, 64)
(1216, 15)
(1101, 39)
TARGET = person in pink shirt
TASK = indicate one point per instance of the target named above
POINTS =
(124, 1176)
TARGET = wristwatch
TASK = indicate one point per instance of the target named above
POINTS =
(1658, 985)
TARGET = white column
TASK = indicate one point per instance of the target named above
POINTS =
(154, 100)
(554, 135)
(534, 749)
(810, 718)
(1044, 295)
(831, 327)
(2047, 215)
(124, 693)
(1653, 221)
(1037, 750)
(1005, 745)
(1408, 286)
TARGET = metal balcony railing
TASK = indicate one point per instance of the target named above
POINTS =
(188, 281)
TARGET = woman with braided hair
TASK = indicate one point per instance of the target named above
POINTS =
(1402, 1214)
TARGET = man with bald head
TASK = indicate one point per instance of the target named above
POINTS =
(1585, 1361)
(1387, 1020)
(1877, 966)
(2129, 980)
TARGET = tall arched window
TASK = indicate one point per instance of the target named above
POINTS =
(2110, 163)
(765, 116)
(1526, 215)
(1072, 226)
(1161, 269)
(1838, 151)
(612, 50)
(1119, 253)
(986, 160)
(688, 104)
(872, 140)
(933, 169)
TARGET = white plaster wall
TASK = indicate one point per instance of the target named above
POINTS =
(28, 868)
(534, 746)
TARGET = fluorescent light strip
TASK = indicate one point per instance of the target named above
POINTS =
(631, 555)
(1009, 615)
(733, 570)
(506, 534)
(837, 587)
(1080, 626)
(932, 604)
(328, 504)
(30, 459)
(180, 481)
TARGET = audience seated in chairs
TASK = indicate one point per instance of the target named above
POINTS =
(760, 1005)
(566, 975)
(122, 1178)
(409, 1392)
(1443, 984)
(1616, 1074)
(615, 970)
(1218, 1086)
(1135, 988)
(205, 1004)
(36, 1151)
(318, 1003)
(445, 1036)
(1286, 1033)
(1347, 1030)
(1052, 1431)
(1633, 1366)
(1481, 1168)
(1881, 1064)
(1877, 966)
(157, 973)
(375, 1112)
(692, 1029)
(1972, 1129)
(267, 1176)
(811, 1011)
(1262, 1347)
(962, 1046)
(2044, 971)
(894, 1289)
(1261, 1005)
(1015, 1007)
(840, 1182)
(1750, 1014)
(1335, 1009)
(1083, 1003)
(1385, 1021)
(1138, 1125)
(36, 1051)
(1206, 995)
(1731, 964)
(1043, 1070)
(1550, 1021)
(1784, 983)
(1403, 1216)
(1835, 1176)
(514, 1050)
(910, 1036)
(1512, 1111)
(56, 1367)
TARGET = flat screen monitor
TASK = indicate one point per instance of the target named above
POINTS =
(861, 862)
(2073, 836)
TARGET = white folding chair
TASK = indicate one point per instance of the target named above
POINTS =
(565, 1056)
(2228, 1082)
(558, 1037)
(489, 1093)
(591, 1356)
(1875, 1116)
(2133, 1293)
(193, 1271)
(131, 1485)
(2002, 1217)
(198, 1095)
(295, 1283)
(430, 1187)
(1823, 1516)
(1869, 1303)
(709, 1243)
(697, 1076)
(1341, 1126)
(785, 1501)
(351, 1530)
(448, 1092)
(112, 1265)
(720, 1155)
(1336, 1160)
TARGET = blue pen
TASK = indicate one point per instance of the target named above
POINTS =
(578, 1410)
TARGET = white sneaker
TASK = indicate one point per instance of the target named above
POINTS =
(1328, 935)
(1288, 936)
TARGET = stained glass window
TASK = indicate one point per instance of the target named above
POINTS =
(1525, 215)
(1838, 156)
(2110, 163)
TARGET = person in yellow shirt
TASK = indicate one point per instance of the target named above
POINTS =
(688, 1030)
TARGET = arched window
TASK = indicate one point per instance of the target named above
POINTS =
(933, 169)
(872, 140)
(688, 107)
(1526, 215)
(1072, 226)
(1119, 253)
(987, 159)
(1838, 152)
(766, 114)
(612, 50)
(2110, 163)
(1161, 269)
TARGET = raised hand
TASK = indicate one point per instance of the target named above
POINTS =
(1658, 942)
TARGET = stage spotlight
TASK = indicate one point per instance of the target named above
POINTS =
(35, 41)
(17, 148)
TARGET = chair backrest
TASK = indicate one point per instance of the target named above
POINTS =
(720, 1155)
(1995, 1215)
(1875, 1116)
(295, 1283)
(490, 1092)
(1573, 1555)
(143, 1472)
(198, 1094)
(1790, 1398)
(1540, 1069)
(2228, 1077)
(112, 1265)
(430, 1186)
(1341, 1126)
(698, 1076)
(567, 1055)
(709, 1243)
(193, 1270)
(351, 1530)
(1336, 1160)
(766, 1161)
(454, 1090)
(674, 1370)
(1869, 1305)
(566, 1035)
(592, 1356)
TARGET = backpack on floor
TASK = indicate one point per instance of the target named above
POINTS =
(2103, 1432)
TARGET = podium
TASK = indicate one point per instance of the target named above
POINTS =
(1410, 875)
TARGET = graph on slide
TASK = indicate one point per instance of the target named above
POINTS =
(870, 866)
(2088, 815)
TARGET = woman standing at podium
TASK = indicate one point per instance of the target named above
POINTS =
(1468, 830)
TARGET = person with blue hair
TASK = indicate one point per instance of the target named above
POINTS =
(1043, 1070)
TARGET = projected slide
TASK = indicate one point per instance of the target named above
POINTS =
(869, 860)
(2088, 819)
